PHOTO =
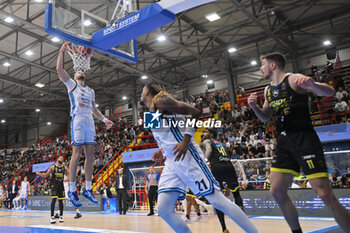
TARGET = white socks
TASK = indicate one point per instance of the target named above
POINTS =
(72, 186)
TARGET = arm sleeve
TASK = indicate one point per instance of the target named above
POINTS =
(70, 84)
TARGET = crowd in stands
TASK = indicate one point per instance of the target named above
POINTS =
(242, 133)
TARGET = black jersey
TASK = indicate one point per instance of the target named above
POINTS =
(219, 153)
(57, 174)
(290, 109)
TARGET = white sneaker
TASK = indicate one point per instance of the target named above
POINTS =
(61, 219)
(187, 220)
(52, 220)
(197, 218)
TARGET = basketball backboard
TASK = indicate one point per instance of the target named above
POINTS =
(77, 20)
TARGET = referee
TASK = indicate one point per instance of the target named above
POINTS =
(222, 169)
(151, 188)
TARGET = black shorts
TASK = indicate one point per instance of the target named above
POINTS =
(225, 172)
(57, 191)
(300, 149)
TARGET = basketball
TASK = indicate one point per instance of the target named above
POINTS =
(84, 51)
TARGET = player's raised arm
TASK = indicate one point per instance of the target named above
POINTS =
(62, 74)
(264, 113)
(169, 104)
(45, 174)
(306, 83)
(207, 148)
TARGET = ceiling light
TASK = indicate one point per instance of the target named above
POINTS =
(96, 105)
(37, 110)
(124, 97)
(49, 123)
(232, 50)
(40, 85)
(55, 39)
(42, 94)
(161, 38)
(253, 63)
(6, 64)
(9, 19)
(212, 17)
(210, 82)
(87, 22)
(327, 42)
(1, 100)
(204, 76)
(38, 0)
(144, 77)
(3, 121)
(29, 53)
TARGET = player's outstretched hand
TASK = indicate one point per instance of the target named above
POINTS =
(157, 156)
(109, 124)
(304, 82)
(37, 172)
(253, 100)
(180, 150)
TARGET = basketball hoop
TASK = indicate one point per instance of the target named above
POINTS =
(80, 55)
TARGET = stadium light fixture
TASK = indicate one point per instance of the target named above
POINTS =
(9, 19)
(204, 76)
(40, 85)
(253, 63)
(212, 17)
(7, 64)
(161, 38)
(124, 97)
(232, 50)
(55, 39)
(29, 53)
(96, 105)
(209, 81)
(144, 77)
(37, 110)
(327, 42)
(49, 123)
(87, 22)
(1, 100)
(3, 121)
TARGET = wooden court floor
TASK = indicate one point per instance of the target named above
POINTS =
(139, 223)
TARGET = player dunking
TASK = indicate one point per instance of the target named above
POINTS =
(57, 188)
(298, 145)
(222, 169)
(184, 166)
(82, 100)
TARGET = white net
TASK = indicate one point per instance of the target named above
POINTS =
(80, 56)
(140, 199)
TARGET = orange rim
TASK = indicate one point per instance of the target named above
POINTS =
(68, 48)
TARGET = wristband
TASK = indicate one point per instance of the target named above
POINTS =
(104, 120)
(190, 131)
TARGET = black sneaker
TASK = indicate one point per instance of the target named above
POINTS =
(150, 214)
(57, 216)
(124, 212)
(78, 215)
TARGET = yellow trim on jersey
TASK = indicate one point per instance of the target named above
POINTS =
(287, 75)
(283, 170)
(317, 175)
(190, 195)
(54, 196)
(61, 198)
(234, 190)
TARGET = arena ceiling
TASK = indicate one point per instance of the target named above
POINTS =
(194, 47)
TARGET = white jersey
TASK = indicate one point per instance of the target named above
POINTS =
(24, 186)
(190, 172)
(81, 98)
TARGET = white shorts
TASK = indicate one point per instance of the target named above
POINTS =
(192, 172)
(83, 130)
(23, 196)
